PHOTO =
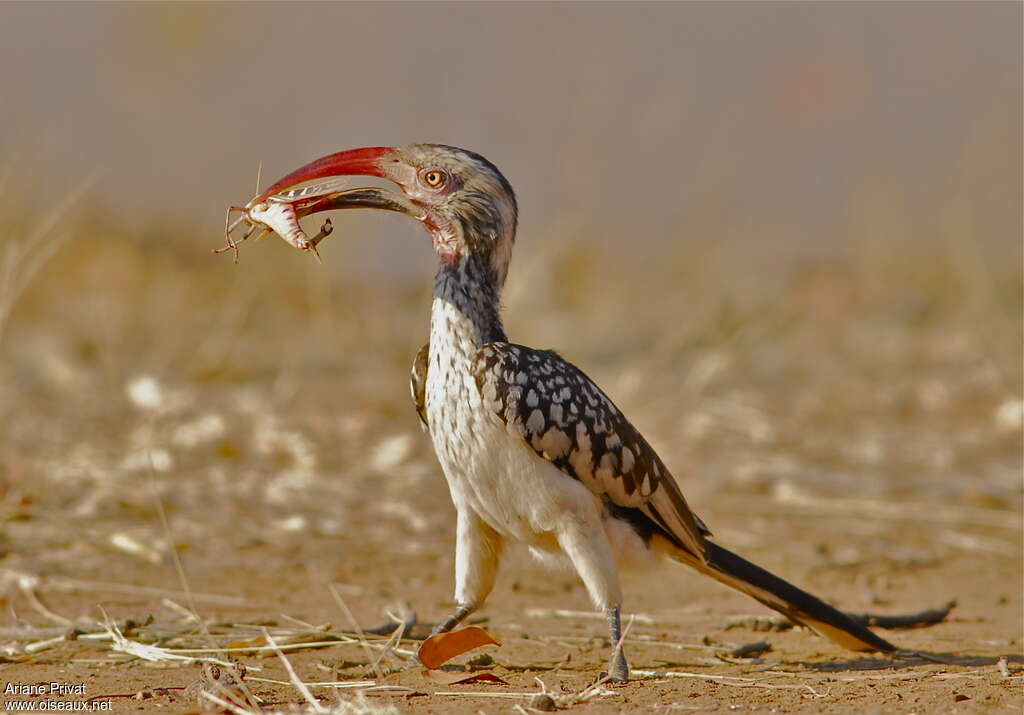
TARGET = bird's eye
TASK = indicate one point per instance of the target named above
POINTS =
(434, 178)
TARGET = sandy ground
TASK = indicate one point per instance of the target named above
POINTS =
(856, 431)
(681, 628)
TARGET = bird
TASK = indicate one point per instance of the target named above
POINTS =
(533, 451)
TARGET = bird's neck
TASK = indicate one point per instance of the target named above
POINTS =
(467, 303)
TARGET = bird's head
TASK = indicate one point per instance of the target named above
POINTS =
(462, 199)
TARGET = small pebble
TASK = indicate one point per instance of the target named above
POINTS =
(543, 701)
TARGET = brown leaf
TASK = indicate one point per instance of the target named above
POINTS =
(440, 648)
(450, 677)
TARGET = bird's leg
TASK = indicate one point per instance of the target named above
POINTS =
(477, 553)
(454, 618)
(588, 549)
(618, 669)
(325, 231)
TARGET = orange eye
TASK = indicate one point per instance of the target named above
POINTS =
(434, 178)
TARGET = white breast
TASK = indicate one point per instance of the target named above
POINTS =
(493, 473)
(487, 471)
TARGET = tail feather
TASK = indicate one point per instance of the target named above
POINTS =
(795, 604)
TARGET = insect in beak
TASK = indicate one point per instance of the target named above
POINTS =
(279, 208)
(280, 213)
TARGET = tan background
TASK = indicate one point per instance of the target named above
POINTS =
(635, 115)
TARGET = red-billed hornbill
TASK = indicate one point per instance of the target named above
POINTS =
(532, 449)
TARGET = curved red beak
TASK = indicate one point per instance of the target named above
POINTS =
(279, 207)
(353, 162)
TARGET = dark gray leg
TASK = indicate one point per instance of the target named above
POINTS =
(454, 618)
(477, 553)
(457, 616)
(618, 669)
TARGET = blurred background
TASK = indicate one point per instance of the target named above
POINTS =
(779, 121)
(785, 238)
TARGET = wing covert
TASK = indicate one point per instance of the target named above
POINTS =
(566, 419)
(418, 384)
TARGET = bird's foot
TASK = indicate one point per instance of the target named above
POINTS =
(618, 670)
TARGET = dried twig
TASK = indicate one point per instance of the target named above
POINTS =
(58, 583)
(140, 650)
(337, 684)
(978, 544)
(361, 637)
(22, 261)
(921, 619)
(725, 680)
(594, 615)
(299, 685)
(392, 646)
(231, 707)
(751, 650)
(27, 584)
(268, 648)
(760, 623)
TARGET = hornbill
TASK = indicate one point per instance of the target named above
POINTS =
(533, 450)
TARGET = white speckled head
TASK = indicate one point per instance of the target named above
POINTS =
(461, 198)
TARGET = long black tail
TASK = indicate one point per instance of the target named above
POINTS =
(795, 604)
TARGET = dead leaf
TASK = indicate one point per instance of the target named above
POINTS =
(453, 677)
(439, 649)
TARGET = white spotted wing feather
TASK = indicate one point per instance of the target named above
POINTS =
(567, 420)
